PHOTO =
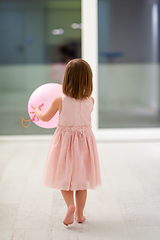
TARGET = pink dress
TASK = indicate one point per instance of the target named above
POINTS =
(72, 162)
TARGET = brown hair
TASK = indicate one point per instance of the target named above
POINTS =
(77, 81)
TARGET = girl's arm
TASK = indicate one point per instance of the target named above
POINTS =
(55, 106)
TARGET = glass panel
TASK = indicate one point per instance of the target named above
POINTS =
(37, 38)
(128, 50)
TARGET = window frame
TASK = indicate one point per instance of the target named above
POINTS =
(89, 11)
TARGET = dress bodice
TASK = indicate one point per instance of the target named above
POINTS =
(75, 112)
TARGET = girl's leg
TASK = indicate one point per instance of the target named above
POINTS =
(69, 199)
(81, 197)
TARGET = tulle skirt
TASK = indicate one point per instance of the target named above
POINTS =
(72, 162)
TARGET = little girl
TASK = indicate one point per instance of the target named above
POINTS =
(72, 162)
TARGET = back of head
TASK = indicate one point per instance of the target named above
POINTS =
(77, 81)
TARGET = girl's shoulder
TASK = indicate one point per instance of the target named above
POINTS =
(92, 99)
(58, 100)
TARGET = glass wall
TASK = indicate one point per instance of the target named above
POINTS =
(37, 38)
(128, 66)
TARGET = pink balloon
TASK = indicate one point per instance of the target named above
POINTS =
(45, 94)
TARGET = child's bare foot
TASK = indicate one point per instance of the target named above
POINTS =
(79, 219)
(69, 219)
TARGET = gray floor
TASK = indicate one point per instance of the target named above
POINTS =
(126, 206)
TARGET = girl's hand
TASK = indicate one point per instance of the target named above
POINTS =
(49, 114)
(39, 107)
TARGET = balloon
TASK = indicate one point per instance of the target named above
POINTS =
(45, 94)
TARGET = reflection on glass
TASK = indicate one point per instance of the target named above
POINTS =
(128, 64)
(36, 41)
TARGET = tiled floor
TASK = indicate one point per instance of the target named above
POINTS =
(125, 207)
